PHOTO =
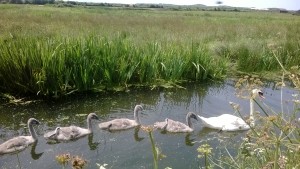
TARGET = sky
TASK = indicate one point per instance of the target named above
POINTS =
(260, 4)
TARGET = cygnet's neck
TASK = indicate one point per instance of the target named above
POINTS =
(136, 116)
(32, 131)
(89, 124)
(188, 121)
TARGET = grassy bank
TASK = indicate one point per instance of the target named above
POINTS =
(48, 50)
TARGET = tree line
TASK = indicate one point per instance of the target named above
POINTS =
(40, 2)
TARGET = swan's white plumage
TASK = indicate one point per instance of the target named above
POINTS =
(21, 142)
(225, 122)
(176, 126)
(123, 123)
(71, 132)
(228, 122)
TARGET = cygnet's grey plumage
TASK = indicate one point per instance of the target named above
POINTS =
(71, 132)
(123, 123)
(58, 134)
(176, 126)
(21, 142)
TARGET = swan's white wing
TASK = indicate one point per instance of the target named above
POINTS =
(212, 122)
(225, 122)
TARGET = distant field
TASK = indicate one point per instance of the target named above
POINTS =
(55, 50)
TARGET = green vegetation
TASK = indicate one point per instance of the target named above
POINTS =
(274, 142)
(53, 51)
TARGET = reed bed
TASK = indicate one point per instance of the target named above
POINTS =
(56, 67)
(53, 51)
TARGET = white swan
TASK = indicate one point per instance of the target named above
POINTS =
(176, 126)
(228, 122)
(21, 142)
(123, 123)
(71, 132)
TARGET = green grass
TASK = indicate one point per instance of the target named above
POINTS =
(48, 50)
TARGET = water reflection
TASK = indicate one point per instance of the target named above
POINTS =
(35, 155)
(92, 145)
(136, 134)
(188, 140)
(131, 148)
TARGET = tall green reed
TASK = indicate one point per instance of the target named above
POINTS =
(57, 66)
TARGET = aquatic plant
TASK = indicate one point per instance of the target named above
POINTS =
(156, 151)
(63, 159)
(205, 152)
(77, 162)
(275, 141)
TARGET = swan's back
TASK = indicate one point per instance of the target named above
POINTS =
(118, 124)
(160, 125)
(176, 127)
(71, 132)
(225, 122)
(123, 123)
(51, 134)
(16, 144)
(75, 131)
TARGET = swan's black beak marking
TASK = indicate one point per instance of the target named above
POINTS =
(194, 117)
(96, 117)
(36, 122)
(261, 95)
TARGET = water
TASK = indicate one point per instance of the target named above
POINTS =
(131, 148)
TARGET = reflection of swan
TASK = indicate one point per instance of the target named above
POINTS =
(228, 122)
(188, 140)
(136, 134)
(35, 155)
(176, 126)
(20, 142)
(92, 145)
(123, 123)
(71, 132)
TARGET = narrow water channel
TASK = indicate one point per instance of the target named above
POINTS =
(131, 148)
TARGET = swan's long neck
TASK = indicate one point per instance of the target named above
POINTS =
(32, 131)
(89, 124)
(188, 121)
(251, 118)
(136, 116)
